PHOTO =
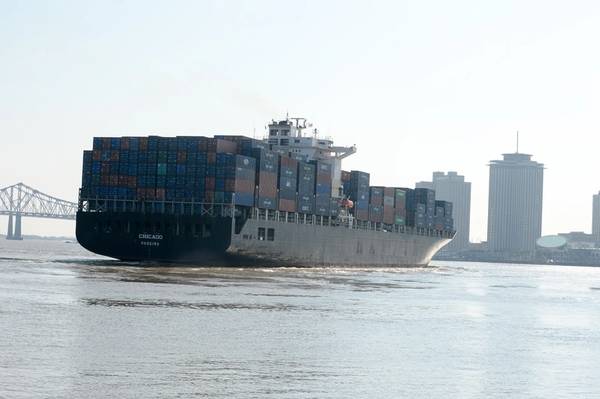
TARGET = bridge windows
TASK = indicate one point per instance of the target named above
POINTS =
(261, 233)
(270, 234)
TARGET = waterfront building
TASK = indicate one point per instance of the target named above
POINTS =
(515, 204)
(596, 218)
(452, 187)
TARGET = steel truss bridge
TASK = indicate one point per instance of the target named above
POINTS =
(20, 200)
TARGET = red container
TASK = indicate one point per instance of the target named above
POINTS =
(267, 184)
(97, 155)
(114, 155)
(361, 214)
(244, 186)
(230, 185)
(106, 143)
(132, 183)
(209, 183)
(160, 194)
(211, 157)
(150, 193)
(105, 180)
(388, 215)
(143, 143)
(218, 145)
(124, 143)
(209, 196)
(114, 180)
(105, 168)
(123, 181)
(287, 205)
(181, 156)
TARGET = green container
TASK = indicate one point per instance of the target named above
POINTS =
(161, 169)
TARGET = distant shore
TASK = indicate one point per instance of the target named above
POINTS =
(49, 238)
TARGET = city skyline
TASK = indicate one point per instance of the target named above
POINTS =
(426, 88)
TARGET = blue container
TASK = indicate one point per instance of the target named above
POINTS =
(322, 188)
(134, 143)
(163, 143)
(287, 183)
(96, 167)
(153, 143)
(287, 194)
(306, 204)
(267, 203)
(132, 170)
(151, 169)
(115, 143)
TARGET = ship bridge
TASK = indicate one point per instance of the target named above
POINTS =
(287, 136)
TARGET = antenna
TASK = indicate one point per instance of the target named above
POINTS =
(517, 141)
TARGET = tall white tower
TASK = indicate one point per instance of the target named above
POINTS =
(515, 203)
(596, 218)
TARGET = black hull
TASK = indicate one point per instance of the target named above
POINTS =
(161, 238)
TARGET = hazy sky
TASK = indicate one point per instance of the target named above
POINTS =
(418, 86)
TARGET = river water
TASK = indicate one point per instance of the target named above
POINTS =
(76, 325)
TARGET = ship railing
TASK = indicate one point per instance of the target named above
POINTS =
(184, 208)
(341, 222)
(195, 208)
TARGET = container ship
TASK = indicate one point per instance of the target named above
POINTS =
(233, 200)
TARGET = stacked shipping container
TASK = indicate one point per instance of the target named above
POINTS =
(217, 170)
(287, 183)
(356, 188)
(323, 184)
(306, 187)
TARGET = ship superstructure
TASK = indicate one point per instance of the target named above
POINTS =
(288, 136)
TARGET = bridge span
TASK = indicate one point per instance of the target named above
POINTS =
(19, 200)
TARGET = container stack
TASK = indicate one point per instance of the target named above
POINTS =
(287, 183)
(388, 205)
(306, 187)
(357, 190)
(86, 173)
(244, 144)
(266, 178)
(376, 204)
(224, 169)
(443, 216)
(235, 175)
(400, 206)
(421, 207)
(323, 184)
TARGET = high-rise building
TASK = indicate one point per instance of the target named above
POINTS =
(515, 204)
(596, 218)
(453, 188)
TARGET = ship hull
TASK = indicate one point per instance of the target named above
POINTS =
(221, 241)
